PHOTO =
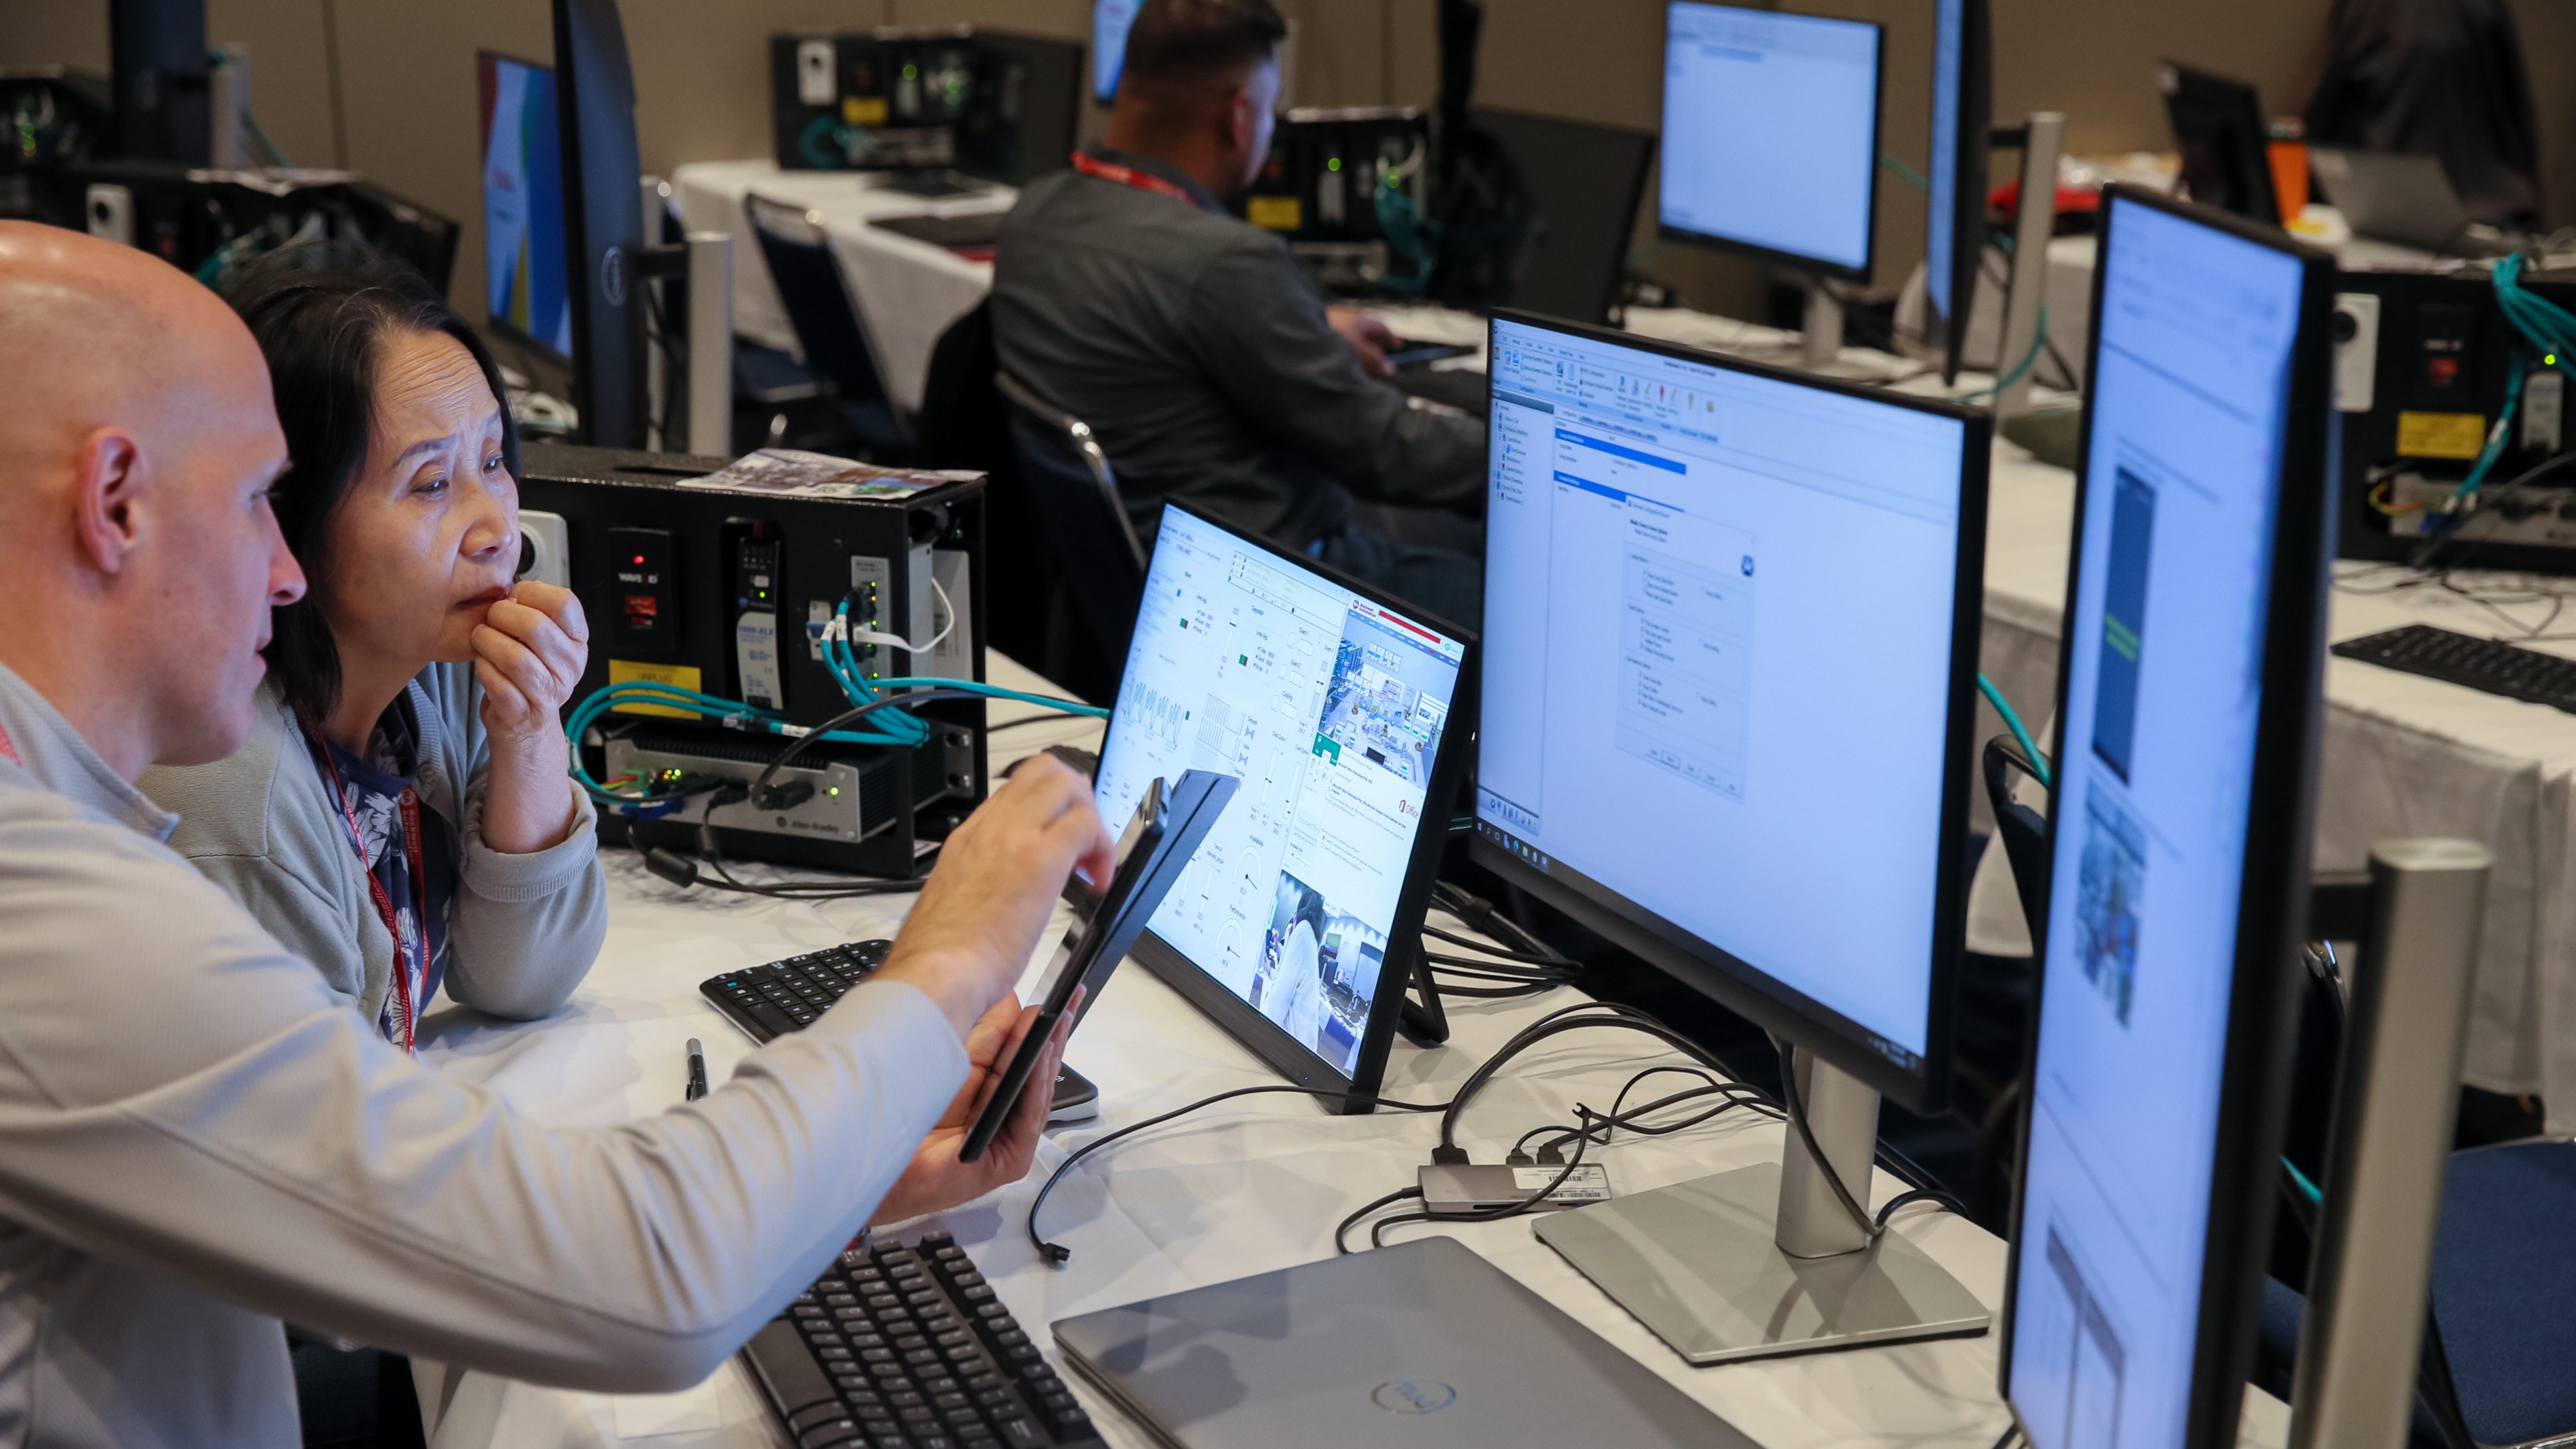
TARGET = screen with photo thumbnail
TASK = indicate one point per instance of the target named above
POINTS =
(2166, 630)
(1329, 707)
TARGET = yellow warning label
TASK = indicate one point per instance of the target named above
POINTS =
(1275, 213)
(628, 671)
(2441, 435)
(863, 110)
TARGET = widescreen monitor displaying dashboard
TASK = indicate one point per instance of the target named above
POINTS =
(2131, 1246)
(1771, 134)
(524, 242)
(1333, 708)
(1732, 619)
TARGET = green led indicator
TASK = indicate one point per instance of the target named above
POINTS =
(1333, 165)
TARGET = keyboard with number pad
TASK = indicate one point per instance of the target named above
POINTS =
(906, 1347)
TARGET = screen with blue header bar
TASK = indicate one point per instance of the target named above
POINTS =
(2189, 396)
(1718, 619)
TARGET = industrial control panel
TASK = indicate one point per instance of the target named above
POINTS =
(2450, 409)
(732, 595)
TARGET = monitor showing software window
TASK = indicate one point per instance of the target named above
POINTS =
(1332, 706)
(1725, 612)
(1771, 133)
(524, 243)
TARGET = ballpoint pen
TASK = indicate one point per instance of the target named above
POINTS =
(697, 1071)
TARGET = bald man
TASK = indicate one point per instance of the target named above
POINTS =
(1196, 347)
(197, 1139)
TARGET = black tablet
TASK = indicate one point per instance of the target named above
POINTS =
(1166, 829)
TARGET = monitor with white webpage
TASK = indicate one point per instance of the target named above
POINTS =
(1732, 619)
(2188, 700)
(1295, 926)
(1771, 134)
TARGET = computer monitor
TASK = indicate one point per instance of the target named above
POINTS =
(1024, 119)
(603, 222)
(1771, 135)
(1962, 120)
(2188, 706)
(1109, 22)
(2226, 149)
(1297, 926)
(1733, 614)
(1583, 183)
(524, 248)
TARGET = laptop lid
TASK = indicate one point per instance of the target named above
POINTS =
(1423, 1345)
(2403, 199)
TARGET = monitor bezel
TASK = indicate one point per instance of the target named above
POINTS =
(2262, 1017)
(1818, 266)
(1719, 975)
(1242, 1020)
(1970, 154)
(495, 325)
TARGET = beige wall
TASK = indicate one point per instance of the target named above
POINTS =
(407, 117)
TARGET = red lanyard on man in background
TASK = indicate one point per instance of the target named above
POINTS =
(1090, 165)
(404, 963)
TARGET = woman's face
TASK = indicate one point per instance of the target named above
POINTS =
(427, 537)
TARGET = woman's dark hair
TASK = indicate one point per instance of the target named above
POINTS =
(323, 316)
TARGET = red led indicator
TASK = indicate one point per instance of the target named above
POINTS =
(639, 558)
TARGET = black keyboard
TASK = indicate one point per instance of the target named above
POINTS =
(2515, 673)
(768, 1002)
(906, 1347)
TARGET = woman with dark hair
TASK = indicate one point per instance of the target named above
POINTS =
(402, 814)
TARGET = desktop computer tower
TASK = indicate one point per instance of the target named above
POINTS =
(725, 593)
(2423, 368)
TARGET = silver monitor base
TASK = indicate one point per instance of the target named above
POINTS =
(1697, 1264)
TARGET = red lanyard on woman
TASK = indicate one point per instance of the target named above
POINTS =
(404, 964)
(1090, 165)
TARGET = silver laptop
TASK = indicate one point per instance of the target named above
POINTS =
(1424, 1345)
(2403, 199)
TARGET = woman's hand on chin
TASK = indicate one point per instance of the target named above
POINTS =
(529, 654)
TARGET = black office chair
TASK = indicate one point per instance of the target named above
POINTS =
(1073, 498)
(964, 425)
(830, 329)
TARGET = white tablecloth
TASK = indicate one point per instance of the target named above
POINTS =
(1246, 1188)
(907, 291)
(2403, 756)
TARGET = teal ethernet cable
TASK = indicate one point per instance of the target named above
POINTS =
(2012, 721)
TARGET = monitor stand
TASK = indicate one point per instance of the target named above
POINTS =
(1818, 350)
(1763, 1260)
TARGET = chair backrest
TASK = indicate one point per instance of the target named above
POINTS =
(964, 425)
(830, 329)
(1073, 499)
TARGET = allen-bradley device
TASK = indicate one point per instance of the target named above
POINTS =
(994, 105)
(2452, 391)
(731, 616)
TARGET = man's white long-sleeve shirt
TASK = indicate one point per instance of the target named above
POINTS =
(197, 1139)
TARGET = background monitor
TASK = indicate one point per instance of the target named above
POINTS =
(1733, 618)
(1027, 110)
(1296, 925)
(2226, 149)
(1583, 183)
(2189, 693)
(603, 222)
(1962, 119)
(1771, 134)
(523, 204)
(1109, 22)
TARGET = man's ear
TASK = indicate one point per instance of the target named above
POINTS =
(109, 482)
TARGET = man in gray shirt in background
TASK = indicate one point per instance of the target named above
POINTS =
(1194, 345)
(198, 1139)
